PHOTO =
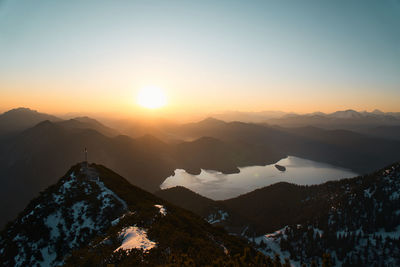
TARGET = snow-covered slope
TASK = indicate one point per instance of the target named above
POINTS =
(360, 228)
(62, 219)
(92, 211)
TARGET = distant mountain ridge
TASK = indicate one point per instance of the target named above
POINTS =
(279, 116)
(346, 119)
(20, 119)
(349, 114)
(256, 117)
(342, 148)
(88, 123)
(30, 159)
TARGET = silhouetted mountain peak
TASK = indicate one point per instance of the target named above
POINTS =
(46, 124)
(211, 120)
(19, 119)
(378, 112)
(318, 113)
(346, 114)
(87, 119)
(20, 110)
(42, 129)
(89, 123)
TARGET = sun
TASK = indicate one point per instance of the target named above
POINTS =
(151, 97)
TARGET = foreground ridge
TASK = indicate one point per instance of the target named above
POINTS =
(94, 217)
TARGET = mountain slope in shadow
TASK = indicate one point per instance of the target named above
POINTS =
(92, 216)
(19, 119)
(342, 148)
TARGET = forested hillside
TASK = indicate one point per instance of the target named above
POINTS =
(356, 221)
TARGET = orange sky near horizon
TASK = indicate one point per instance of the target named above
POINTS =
(122, 102)
(93, 57)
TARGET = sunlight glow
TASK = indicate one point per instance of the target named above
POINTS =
(151, 97)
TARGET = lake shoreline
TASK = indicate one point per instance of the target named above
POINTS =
(219, 186)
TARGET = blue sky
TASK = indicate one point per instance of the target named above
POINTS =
(207, 55)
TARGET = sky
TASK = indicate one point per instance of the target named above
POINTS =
(207, 56)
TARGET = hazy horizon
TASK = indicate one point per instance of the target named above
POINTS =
(155, 115)
(206, 57)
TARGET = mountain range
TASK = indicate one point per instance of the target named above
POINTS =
(346, 119)
(34, 156)
(19, 119)
(94, 217)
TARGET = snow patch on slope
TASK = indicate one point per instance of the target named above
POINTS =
(106, 193)
(163, 210)
(70, 215)
(135, 238)
(117, 220)
(218, 217)
(270, 244)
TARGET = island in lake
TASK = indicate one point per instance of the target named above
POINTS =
(280, 167)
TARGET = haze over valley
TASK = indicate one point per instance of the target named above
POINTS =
(33, 153)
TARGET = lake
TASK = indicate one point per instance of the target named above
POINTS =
(219, 186)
